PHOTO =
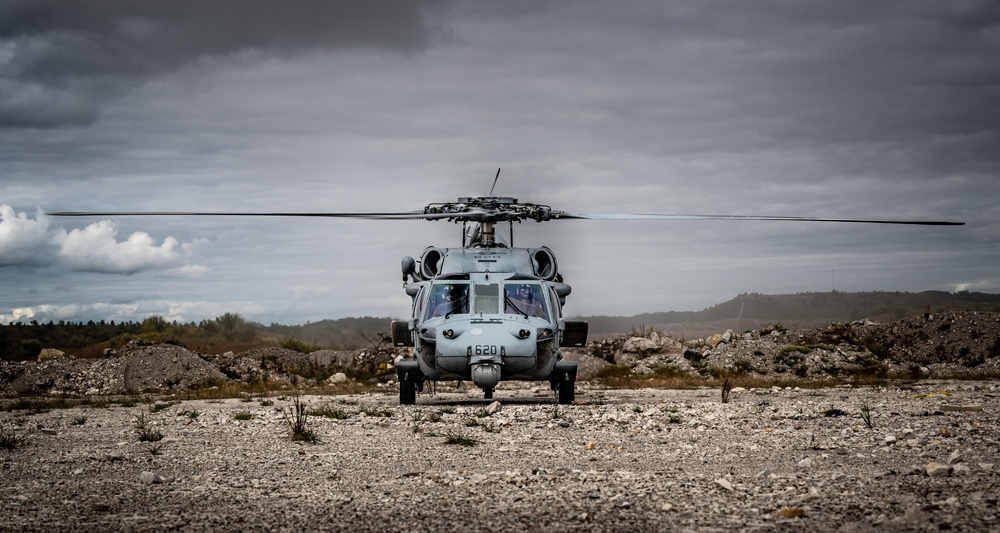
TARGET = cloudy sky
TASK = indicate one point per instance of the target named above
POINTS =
(865, 109)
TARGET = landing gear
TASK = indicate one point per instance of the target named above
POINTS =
(563, 379)
(407, 389)
(411, 379)
(488, 393)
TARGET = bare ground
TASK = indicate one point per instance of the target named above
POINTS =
(619, 460)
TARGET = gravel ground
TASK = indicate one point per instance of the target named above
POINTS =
(618, 460)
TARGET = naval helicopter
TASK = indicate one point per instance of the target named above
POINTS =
(488, 311)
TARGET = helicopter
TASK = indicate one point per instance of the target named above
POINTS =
(488, 311)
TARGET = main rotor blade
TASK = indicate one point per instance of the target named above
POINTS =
(415, 215)
(654, 216)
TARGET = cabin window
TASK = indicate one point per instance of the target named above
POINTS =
(448, 299)
(525, 298)
(487, 299)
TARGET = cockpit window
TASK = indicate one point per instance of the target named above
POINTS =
(448, 299)
(525, 299)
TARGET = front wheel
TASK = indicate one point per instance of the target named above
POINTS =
(567, 391)
(407, 389)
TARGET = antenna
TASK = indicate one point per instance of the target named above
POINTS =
(495, 182)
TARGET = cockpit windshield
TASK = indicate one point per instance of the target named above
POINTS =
(525, 299)
(448, 299)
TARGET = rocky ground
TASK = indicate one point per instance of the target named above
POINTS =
(914, 452)
(618, 460)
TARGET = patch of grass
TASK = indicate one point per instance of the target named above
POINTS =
(243, 416)
(153, 448)
(329, 411)
(302, 347)
(376, 412)
(459, 439)
(78, 420)
(266, 403)
(143, 432)
(762, 405)
(161, 406)
(11, 440)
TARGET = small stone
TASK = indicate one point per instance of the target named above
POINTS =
(986, 467)
(960, 469)
(889, 440)
(666, 507)
(763, 473)
(936, 469)
(493, 408)
(433, 416)
(806, 463)
(149, 478)
(339, 377)
(960, 408)
(792, 512)
(724, 483)
(591, 445)
(955, 458)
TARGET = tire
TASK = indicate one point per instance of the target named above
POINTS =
(567, 391)
(407, 389)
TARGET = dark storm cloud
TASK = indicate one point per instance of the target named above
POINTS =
(62, 59)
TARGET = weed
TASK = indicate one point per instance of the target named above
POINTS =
(243, 415)
(298, 420)
(143, 432)
(10, 440)
(78, 420)
(674, 419)
(192, 414)
(461, 440)
(727, 388)
(153, 448)
(866, 415)
(762, 405)
(266, 403)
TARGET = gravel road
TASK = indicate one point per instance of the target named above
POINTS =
(618, 460)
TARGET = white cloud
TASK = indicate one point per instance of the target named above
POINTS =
(95, 248)
(22, 240)
(187, 271)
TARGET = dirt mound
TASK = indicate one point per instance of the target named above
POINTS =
(954, 344)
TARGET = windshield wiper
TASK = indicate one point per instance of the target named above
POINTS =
(508, 301)
(459, 303)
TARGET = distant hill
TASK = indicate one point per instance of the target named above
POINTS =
(340, 334)
(742, 313)
(812, 309)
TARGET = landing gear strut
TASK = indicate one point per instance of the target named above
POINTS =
(563, 379)
(411, 379)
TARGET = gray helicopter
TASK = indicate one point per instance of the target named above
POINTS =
(488, 311)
